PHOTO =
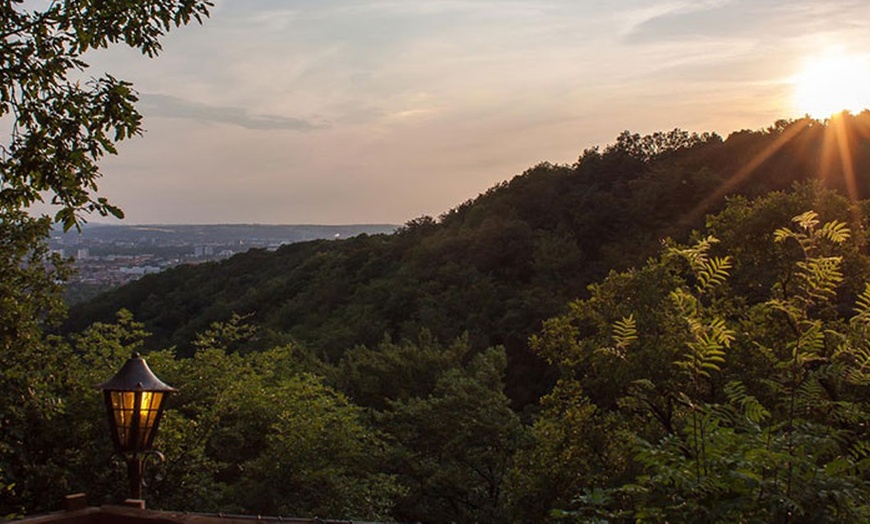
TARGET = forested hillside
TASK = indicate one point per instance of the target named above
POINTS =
(718, 375)
(494, 267)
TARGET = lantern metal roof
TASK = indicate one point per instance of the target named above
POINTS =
(135, 375)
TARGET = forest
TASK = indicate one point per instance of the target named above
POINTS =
(673, 328)
(596, 342)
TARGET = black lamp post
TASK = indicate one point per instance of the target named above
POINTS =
(135, 399)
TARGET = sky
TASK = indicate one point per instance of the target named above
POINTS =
(337, 112)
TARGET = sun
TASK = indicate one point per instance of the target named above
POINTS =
(833, 82)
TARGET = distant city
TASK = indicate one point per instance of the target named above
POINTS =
(107, 256)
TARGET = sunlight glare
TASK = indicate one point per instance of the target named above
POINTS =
(831, 83)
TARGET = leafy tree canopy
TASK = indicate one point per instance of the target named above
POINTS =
(737, 404)
(61, 126)
(56, 128)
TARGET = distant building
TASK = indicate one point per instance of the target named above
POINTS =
(139, 270)
(82, 253)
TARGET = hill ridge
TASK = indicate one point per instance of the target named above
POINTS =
(497, 265)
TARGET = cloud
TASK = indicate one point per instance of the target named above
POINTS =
(167, 106)
(731, 18)
(431, 102)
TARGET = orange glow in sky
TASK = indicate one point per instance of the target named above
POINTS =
(833, 82)
(372, 111)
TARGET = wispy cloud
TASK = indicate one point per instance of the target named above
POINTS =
(680, 20)
(166, 106)
(430, 102)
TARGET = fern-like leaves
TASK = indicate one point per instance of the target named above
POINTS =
(714, 272)
(624, 335)
(752, 410)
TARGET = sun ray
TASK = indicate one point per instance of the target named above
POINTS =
(830, 87)
(732, 182)
(837, 151)
(836, 165)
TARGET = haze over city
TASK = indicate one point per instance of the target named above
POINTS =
(364, 111)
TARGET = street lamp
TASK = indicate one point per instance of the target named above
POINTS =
(135, 399)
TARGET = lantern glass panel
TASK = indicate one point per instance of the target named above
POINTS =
(149, 408)
(135, 413)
